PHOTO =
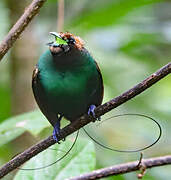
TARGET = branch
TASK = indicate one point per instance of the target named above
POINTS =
(20, 25)
(60, 15)
(82, 121)
(136, 90)
(124, 168)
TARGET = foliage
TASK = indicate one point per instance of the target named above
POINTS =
(81, 159)
(15, 126)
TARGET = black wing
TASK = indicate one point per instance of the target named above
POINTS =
(41, 98)
(101, 88)
(96, 95)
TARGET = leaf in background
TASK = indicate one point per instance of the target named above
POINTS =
(150, 47)
(108, 15)
(34, 122)
(5, 109)
(81, 159)
(5, 101)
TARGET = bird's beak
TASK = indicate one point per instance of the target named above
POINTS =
(56, 35)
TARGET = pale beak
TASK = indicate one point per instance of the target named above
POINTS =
(55, 34)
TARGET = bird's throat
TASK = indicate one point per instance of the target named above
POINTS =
(70, 58)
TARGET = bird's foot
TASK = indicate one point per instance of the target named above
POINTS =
(56, 133)
(56, 130)
(91, 110)
(56, 136)
(92, 113)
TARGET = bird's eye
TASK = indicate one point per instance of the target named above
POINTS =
(71, 40)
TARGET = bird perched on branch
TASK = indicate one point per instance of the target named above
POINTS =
(67, 81)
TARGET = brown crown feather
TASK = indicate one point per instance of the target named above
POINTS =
(79, 43)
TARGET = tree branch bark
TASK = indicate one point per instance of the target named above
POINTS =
(124, 168)
(82, 121)
(20, 25)
(60, 19)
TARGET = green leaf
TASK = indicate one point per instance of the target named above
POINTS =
(5, 98)
(149, 47)
(81, 159)
(34, 122)
(108, 15)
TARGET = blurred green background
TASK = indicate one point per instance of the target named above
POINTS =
(130, 39)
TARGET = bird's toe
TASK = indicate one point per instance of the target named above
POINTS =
(91, 111)
(56, 133)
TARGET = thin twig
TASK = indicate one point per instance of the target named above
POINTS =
(124, 168)
(142, 168)
(20, 25)
(82, 121)
(140, 160)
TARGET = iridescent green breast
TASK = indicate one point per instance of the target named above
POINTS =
(69, 90)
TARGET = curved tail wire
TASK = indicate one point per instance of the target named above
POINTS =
(128, 151)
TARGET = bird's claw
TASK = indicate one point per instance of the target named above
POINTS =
(63, 139)
(56, 136)
(92, 113)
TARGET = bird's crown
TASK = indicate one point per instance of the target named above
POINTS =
(67, 39)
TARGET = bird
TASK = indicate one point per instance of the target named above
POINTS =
(66, 82)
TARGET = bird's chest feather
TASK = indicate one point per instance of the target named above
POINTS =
(68, 90)
(63, 85)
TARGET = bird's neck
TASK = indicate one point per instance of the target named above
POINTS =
(72, 59)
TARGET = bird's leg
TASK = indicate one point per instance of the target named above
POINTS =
(91, 111)
(56, 130)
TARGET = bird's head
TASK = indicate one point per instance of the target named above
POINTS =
(64, 41)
